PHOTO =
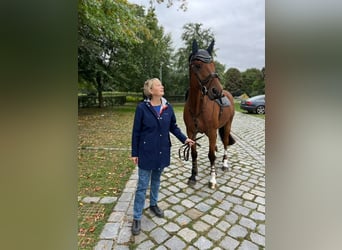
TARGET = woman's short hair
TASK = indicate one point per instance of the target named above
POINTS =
(148, 86)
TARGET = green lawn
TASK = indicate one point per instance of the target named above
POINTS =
(104, 165)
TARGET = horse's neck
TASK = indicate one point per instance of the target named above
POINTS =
(195, 101)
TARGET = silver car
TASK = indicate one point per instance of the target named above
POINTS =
(255, 104)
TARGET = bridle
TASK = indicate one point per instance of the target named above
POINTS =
(206, 81)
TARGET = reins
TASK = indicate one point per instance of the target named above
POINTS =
(186, 149)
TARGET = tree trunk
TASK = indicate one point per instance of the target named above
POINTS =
(99, 91)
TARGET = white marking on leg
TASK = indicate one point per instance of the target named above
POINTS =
(225, 159)
(213, 175)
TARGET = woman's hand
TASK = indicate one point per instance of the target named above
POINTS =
(135, 160)
(189, 141)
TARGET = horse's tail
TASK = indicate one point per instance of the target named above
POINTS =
(231, 140)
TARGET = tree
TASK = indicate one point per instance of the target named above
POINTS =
(104, 27)
(253, 83)
(181, 61)
(233, 81)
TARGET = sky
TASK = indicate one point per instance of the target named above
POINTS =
(238, 27)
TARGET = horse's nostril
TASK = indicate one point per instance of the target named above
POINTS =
(216, 92)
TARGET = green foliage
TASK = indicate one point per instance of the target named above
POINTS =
(253, 82)
(122, 44)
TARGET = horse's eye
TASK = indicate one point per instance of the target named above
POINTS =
(197, 66)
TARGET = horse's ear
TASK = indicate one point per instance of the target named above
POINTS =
(194, 47)
(211, 47)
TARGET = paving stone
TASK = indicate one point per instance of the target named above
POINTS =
(179, 208)
(104, 245)
(193, 213)
(175, 243)
(258, 216)
(173, 199)
(210, 202)
(169, 214)
(121, 206)
(181, 196)
(217, 212)
(229, 243)
(246, 222)
(215, 234)
(238, 192)
(232, 218)
(121, 247)
(225, 205)
(211, 220)
(110, 231)
(261, 208)
(145, 245)
(258, 239)
(124, 235)
(250, 204)
(116, 216)
(201, 226)
(219, 196)
(247, 245)
(234, 200)
(159, 235)
(140, 238)
(108, 200)
(147, 224)
(203, 207)
(91, 199)
(183, 220)
(260, 200)
(161, 248)
(261, 229)
(171, 227)
(248, 196)
(203, 243)
(237, 231)
(187, 234)
(188, 203)
(223, 225)
(173, 189)
(126, 197)
(241, 210)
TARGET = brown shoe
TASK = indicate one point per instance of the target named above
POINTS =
(157, 211)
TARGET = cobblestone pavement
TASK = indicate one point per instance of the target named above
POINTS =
(230, 217)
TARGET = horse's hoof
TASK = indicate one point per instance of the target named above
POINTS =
(191, 182)
(225, 169)
(212, 185)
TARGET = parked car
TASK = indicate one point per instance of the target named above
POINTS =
(255, 104)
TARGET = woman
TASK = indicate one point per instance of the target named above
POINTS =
(151, 145)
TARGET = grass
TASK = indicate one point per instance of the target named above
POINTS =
(104, 165)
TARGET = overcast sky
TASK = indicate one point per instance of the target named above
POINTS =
(238, 27)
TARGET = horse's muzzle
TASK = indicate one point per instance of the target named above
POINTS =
(214, 93)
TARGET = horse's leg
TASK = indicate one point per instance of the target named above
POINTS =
(227, 139)
(212, 158)
(194, 170)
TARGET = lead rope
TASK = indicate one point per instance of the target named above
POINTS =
(186, 150)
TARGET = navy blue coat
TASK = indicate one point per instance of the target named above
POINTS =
(151, 135)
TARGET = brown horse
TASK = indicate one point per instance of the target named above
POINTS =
(208, 108)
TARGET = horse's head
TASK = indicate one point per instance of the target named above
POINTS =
(202, 68)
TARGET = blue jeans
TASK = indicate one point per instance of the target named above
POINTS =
(140, 194)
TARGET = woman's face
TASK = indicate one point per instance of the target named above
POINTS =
(157, 89)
